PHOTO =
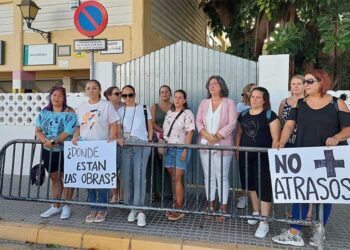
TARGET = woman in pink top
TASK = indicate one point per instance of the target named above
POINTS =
(215, 121)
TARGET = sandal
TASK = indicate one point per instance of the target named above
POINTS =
(221, 218)
(91, 217)
(100, 216)
(208, 210)
(114, 199)
(174, 216)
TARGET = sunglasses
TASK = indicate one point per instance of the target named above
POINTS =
(309, 81)
(117, 93)
(131, 95)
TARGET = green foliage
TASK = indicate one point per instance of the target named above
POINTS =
(335, 31)
(320, 26)
(285, 40)
(269, 7)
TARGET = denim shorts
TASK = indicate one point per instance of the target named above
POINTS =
(170, 160)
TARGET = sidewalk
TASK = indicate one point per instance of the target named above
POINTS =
(193, 228)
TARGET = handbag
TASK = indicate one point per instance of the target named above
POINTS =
(161, 150)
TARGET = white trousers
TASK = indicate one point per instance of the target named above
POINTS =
(215, 179)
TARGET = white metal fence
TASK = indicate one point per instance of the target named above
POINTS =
(185, 66)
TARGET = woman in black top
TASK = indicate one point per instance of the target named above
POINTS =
(322, 121)
(258, 127)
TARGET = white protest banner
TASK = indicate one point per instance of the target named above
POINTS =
(310, 174)
(90, 164)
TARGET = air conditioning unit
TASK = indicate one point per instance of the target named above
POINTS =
(73, 4)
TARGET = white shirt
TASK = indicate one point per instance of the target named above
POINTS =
(212, 121)
(133, 121)
(94, 120)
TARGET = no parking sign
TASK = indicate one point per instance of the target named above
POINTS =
(90, 18)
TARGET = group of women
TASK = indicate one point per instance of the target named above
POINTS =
(303, 117)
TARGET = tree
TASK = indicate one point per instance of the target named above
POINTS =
(316, 33)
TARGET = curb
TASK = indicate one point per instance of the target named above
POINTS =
(93, 239)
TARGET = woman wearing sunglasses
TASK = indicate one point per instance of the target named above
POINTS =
(113, 94)
(322, 120)
(136, 127)
(97, 120)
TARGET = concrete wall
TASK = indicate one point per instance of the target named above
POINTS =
(274, 76)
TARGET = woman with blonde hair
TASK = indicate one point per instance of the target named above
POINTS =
(297, 92)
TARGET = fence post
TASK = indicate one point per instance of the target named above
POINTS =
(322, 229)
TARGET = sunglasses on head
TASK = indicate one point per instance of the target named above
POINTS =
(131, 95)
(309, 81)
(117, 93)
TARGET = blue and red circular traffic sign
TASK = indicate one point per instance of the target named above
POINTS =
(90, 18)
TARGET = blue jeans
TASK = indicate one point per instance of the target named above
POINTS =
(304, 209)
(98, 196)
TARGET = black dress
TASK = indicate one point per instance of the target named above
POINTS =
(256, 133)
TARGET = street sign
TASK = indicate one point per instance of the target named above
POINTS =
(90, 44)
(90, 18)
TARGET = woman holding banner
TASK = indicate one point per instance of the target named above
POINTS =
(54, 125)
(97, 120)
(136, 127)
(322, 120)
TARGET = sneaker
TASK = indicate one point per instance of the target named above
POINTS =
(318, 234)
(65, 212)
(174, 216)
(253, 222)
(51, 211)
(132, 216)
(100, 216)
(91, 217)
(242, 201)
(262, 230)
(141, 220)
(287, 238)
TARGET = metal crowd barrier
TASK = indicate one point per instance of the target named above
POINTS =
(17, 158)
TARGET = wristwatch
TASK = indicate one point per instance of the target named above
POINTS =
(53, 142)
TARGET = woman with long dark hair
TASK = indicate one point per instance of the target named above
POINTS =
(159, 111)
(54, 125)
(135, 119)
(178, 129)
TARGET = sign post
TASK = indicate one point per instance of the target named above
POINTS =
(90, 19)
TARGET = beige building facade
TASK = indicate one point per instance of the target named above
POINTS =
(140, 26)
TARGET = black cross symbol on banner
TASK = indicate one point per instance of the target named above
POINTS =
(329, 163)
